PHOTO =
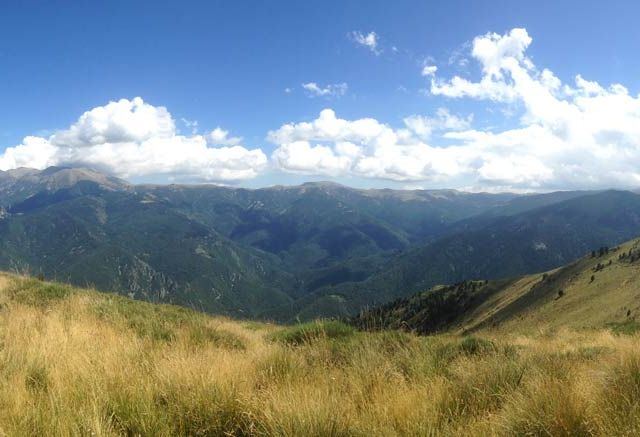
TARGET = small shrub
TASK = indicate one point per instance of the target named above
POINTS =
(309, 332)
(38, 294)
(625, 328)
(442, 354)
(475, 346)
(157, 322)
(200, 334)
(153, 329)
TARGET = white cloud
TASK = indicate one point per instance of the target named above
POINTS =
(570, 136)
(131, 138)
(365, 147)
(567, 135)
(369, 40)
(192, 125)
(423, 126)
(332, 90)
(429, 70)
(458, 57)
(117, 122)
(220, 137)
(496, 55)
(580, 135)
(301, 156)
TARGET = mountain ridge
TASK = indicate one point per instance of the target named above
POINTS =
(279, 253)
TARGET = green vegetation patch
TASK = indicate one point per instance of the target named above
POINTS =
(625, 328)
(253, 325)
(36, 293)
(476, 346)
(37, 379)
(201, 334)
(158, 322)
(164, 322)
(311, 331)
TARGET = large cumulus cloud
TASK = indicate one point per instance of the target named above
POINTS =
(568, 135)
(131, 138)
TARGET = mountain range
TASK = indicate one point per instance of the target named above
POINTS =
(285, 253)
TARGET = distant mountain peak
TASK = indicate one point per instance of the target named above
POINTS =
(63, 177)
(21, 172)
(53, 169)
(323, 184)
(28, 181)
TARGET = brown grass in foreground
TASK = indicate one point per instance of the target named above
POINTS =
(75, 362)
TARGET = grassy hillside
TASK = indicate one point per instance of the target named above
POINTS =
(598, 290)
(77, 362)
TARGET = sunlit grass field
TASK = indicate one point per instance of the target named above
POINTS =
(76, 362)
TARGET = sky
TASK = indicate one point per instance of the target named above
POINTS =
(473, 95)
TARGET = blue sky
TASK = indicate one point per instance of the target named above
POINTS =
(228, 64)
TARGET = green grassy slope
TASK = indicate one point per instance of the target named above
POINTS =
(592, 292)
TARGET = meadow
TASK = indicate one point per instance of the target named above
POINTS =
(78, 362)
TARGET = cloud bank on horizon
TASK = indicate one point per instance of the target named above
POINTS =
(131, 138)
(578, 135)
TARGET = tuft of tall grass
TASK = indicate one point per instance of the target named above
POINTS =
(618, 401)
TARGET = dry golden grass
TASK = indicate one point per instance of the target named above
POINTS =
(76, 362)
